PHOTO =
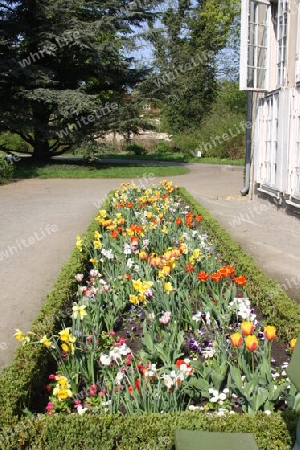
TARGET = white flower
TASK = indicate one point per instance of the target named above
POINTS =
(222, 396)
(207, 318)
(268, 412)
(226, 391)
(105, 359)
(119, 377)
(115, 354)
(213, 391)
(197, 317)
(108, 253)
(214, 399)
(81, 410)
(208, 353)
(151, 371)
(193, 408)
(129, 263)
(124, 349)
(127, 249)
(168, 380)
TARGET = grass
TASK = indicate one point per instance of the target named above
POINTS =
(174, 157)
(51, 170)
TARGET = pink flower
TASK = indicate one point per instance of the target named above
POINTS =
(49, 407)
(79, 277)
(165, 318)
(102, 393)
(94, 272)
(77, 403)
(52, 377)
(149, 293)
(120, 342)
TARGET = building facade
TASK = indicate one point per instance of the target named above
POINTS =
(270, 72)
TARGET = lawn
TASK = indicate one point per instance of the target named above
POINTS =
(51, 170)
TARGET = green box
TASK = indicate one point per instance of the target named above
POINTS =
(204, 440)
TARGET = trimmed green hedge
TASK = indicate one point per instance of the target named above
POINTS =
(148, 432)
(22, 382)
(278, 309)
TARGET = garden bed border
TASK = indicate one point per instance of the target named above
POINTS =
(26, 374)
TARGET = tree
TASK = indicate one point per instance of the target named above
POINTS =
(185, 50)
(63, 69)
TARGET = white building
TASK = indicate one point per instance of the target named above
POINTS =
(270, 72)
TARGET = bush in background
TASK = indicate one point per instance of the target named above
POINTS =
(6, 170)
(137, 149)
(227, 117)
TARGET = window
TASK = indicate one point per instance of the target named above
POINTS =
(263, 64)
(254, 45)
(268, 118)
(281, 36)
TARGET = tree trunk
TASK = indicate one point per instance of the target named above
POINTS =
(41, 147)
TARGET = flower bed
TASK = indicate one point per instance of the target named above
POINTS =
(161, 323)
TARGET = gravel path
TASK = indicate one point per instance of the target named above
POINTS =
(40, 219)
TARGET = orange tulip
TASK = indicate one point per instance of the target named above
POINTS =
(175, 253)
(223, 272)
(236, 339)
(143, 255)
(293, 343)
(270, 332)
(230, 270)
(189, 268)
(178, 221)
(202, 276)
(241, 281)
(251, 343)
(216, 277)
(155, 261)
(247, 328)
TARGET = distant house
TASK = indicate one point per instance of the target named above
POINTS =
(270, 72)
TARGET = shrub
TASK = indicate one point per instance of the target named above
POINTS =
(148, 432)
(137, 149)
(6, 170)
(163, 147)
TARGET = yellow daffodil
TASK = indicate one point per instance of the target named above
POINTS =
(133, 299)
(21, 337)
(46, 342)
(66, 336)
(168, 287)
(137, 284)
(97, 235)
(79, 243)
(79, 310)
(102, 213)
(94, 260)
(62, 393)
(97, 244)
(164, 230)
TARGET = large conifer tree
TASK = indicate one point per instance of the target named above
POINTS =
(63, 68)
